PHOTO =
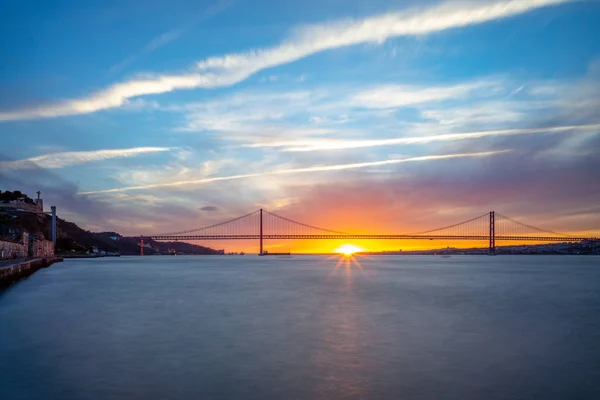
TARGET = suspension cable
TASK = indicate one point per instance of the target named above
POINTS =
(304, 225)
(531, 227)
(210, 226)
(451, 226)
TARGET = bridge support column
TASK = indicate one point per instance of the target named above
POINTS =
(261, 231)
(141, 246)
(492, 232)
(53, 229)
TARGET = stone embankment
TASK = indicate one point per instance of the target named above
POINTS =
(20, 259)
(12, 271)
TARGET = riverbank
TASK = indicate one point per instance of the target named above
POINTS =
(87, 255)
(14, 271)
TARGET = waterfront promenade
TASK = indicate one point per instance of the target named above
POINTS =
(12, 271)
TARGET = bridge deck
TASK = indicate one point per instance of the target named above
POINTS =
(368, 237)
(490, 227)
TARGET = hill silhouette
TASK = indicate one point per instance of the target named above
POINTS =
(71, 237)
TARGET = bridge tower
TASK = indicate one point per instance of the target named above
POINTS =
(492, 232)
(141, 246)
(53, 230)
(261, 231)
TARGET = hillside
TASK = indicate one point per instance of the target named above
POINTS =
(71, 237)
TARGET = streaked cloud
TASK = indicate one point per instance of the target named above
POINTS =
(69, 158)
(232, 68)
(323, 168)
(393, 96)
(167, 37)
(150, 47)
(243, 111)
(333, 144)
(323, 110)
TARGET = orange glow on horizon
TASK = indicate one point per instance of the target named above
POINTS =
(365, 246)
(332, 246)
(360, 219)
(348, 249)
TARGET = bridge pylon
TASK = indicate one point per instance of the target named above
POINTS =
(261, 231)
(492, 232)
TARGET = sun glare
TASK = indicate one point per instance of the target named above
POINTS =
(348, 249)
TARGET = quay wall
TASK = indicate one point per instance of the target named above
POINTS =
(20, 259)
(15, 272)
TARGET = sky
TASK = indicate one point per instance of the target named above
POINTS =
(155, 116)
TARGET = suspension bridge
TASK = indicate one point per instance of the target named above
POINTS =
(263, 225)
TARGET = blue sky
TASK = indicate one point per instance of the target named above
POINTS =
(138, 115)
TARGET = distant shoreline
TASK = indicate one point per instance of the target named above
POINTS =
(381, 254)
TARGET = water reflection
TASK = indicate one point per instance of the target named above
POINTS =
(341, 356)
(268, 329)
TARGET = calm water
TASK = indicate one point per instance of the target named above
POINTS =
(412, 327)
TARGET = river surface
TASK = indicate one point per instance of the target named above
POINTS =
(303, 327)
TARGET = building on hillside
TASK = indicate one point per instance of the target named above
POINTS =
(22, 205)
(33, 245)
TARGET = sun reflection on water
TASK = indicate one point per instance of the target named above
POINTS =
(341, 357)
(348, 262)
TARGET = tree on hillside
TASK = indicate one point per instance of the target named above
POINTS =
(8, 196)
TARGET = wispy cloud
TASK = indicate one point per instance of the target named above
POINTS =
(333, 144)
(318, 112)
(322, 168)
(394, 96)
(244, 111)
(150, 47)
(232, 68)
(167, 37)
(66, 159)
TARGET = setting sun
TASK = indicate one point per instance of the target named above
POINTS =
(348, 249)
